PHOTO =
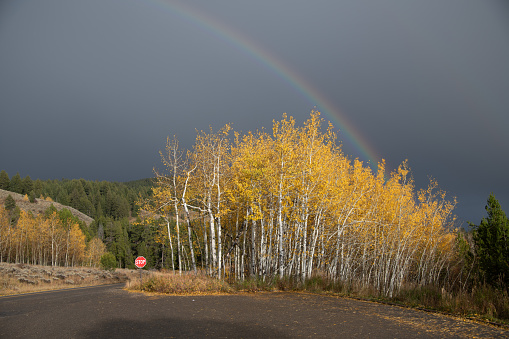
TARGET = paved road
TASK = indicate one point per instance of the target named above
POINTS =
(110, 312)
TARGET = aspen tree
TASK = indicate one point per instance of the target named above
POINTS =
(188, 218)
(283, 171)
(56, 235)
(166, 195)
(94, 251)
(5, 230)
(212, 163)
(77, 245)
(290, 203)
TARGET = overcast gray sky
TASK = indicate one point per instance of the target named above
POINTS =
(91, 89)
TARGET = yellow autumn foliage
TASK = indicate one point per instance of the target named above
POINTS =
(290, 203)
(42, 240)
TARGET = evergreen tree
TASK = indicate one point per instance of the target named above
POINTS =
(16, 184)
(32, 196)
(10, 204)
(98, 210)
(50, 210)
(77, 195)
(27, 185)
(62, 197)
(109, 203)
(13, 209)
(491, 238)
(121, 208)
(38, 187)
(4, 181)
(86, 206)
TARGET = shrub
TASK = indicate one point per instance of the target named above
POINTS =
(32, 197)
(188, 283)
(108, 261)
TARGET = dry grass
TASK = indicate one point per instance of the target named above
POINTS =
(21, 278)
(178, 284)
(481, 302)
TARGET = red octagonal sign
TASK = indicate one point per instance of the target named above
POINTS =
(140, 262)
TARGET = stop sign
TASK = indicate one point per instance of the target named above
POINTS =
(140, 262)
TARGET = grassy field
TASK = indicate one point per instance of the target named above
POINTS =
(21, 278)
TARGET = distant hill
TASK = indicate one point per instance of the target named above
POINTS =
(97, 199)
(40, 205)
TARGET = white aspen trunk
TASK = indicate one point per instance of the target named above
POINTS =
(205, 241)
(236, 262)
(35, 251)
(41, 252)
(57, 251)
(219, 249)
(261, 260)
(52, 245)
(281, 251)
(235, 251)
(304, 238)
(313, 246)
(171, 246)
(212, 237)
(271, 263)
(186, 210)
(18, 247)
(242, 267)
(67, 247)
(177, 225)
(253, 249)
(218, 209)
(9, 244)
(321, 259)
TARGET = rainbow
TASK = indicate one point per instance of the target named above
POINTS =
(275, 65)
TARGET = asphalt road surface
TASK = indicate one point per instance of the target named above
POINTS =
(111, 312)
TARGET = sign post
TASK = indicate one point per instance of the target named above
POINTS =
(140, 262)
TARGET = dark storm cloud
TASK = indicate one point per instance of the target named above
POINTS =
(92, 88)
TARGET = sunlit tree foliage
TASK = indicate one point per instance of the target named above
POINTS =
(290, 203)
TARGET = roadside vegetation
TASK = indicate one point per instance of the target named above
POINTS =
(279, 211)
(22, 278)
(170, 282)
(484, 303)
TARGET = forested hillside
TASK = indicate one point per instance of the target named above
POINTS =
(94, 198)
(38, 206)
(113, 206)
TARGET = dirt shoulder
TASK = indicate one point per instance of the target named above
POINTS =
(21, 278)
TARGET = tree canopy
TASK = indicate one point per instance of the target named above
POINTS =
(4, 180)
(290, 203)
(491, 238)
